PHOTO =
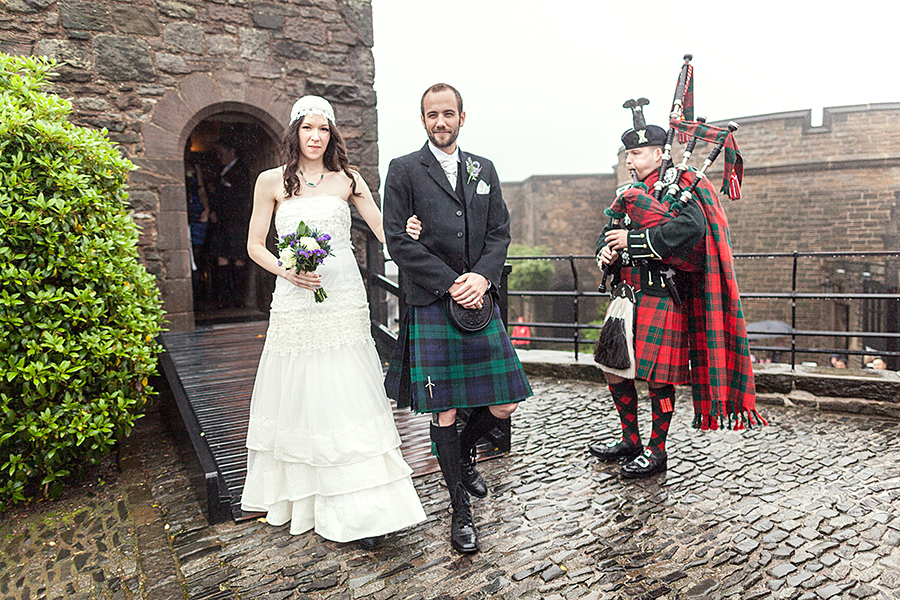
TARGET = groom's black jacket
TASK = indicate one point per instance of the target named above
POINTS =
(416, 185)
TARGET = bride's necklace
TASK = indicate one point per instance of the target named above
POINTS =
(322, 176)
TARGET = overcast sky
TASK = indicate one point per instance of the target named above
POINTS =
(543, 81)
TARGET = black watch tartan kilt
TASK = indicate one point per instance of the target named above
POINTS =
(435, 367)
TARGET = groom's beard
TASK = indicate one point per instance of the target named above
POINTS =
(453, 133)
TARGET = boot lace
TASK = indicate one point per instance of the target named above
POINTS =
(462, 510)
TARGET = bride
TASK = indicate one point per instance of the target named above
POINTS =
(323, 450)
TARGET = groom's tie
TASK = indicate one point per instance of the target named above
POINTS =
(448, 163)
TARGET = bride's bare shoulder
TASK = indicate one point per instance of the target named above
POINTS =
(271, 175)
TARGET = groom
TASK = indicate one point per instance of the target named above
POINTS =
(461, 249)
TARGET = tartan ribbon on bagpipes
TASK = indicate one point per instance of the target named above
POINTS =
(687, 103)
(733, 174)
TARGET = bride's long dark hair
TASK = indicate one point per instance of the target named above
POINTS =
(334, 159)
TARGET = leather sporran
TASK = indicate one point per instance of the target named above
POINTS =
(470, 320)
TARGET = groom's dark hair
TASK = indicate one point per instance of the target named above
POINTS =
(440, 87)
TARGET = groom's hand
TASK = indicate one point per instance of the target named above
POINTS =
(468, 289)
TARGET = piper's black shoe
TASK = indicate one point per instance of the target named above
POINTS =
(471, 478)
(615, 450)
(370, 543)
(645, 465)
(463, 536)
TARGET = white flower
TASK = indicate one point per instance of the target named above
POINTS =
(287, 259)
(309, 243)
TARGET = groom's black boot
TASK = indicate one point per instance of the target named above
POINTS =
(481, 421)
(463, 536)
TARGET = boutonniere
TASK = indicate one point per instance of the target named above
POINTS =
(473, 169)
(483, 188)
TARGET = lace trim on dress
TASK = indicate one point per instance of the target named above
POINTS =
(317, 212)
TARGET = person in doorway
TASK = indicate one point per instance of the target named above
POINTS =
(323, 450)
(230, 208)
(676, 254)
(198, 220)
(464, 236)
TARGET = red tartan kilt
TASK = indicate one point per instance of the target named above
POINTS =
(661, 340)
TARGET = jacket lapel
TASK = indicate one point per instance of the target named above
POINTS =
(435, 171)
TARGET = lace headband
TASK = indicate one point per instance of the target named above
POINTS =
(314, 105)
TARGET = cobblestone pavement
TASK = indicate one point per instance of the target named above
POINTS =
(803, 509)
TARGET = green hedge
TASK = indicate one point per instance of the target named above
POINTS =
(79, 314)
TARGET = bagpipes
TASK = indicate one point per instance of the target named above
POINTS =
(681, 120)
(614, 352)
(684, 90)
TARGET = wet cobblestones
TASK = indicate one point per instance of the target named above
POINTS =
(803, 509)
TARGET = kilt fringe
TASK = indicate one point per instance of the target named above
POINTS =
(737, 421)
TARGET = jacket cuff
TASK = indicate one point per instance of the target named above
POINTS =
(639, 245)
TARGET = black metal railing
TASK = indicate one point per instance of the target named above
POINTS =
(575, 293)
(792, 295)
(378, 285)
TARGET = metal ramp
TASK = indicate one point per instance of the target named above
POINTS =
(210, 373)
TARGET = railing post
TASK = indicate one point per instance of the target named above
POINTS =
(402, 282)
(374, 267)
(575, 301)
(504, 293)
(795, 256)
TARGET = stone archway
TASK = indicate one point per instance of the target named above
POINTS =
(161, 167)
(226, 290)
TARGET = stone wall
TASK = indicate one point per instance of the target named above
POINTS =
(833, 188)
(150, 71)
(558, 211)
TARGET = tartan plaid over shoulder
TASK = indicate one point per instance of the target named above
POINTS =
(722, 382)
(722, 376)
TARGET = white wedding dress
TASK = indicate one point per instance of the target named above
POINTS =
(323, 450)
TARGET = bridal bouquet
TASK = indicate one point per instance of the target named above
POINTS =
(304, 250)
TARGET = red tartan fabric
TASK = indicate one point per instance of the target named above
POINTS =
(723, 385)
(733, 173)
(661, 327)
(687, 106)
(724, 392)
(661, 341)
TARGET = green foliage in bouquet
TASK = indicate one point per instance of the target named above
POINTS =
(78, 313)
